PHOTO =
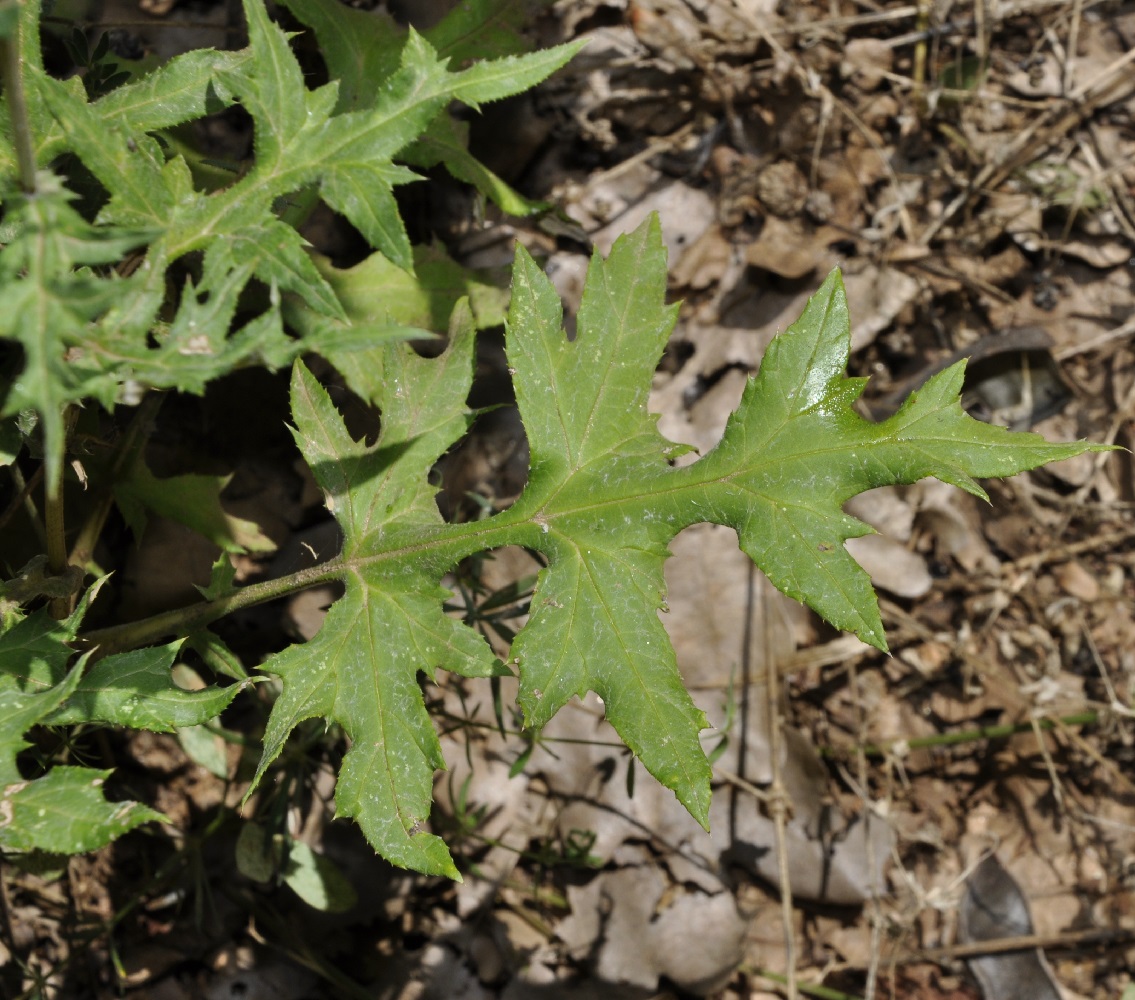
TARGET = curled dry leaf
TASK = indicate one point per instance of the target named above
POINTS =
(891, 566)
(1076, 581)
(787, 250)
(993, 908)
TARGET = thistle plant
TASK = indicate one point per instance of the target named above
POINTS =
(89, 304)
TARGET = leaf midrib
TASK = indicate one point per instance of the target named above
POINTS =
(499, 530)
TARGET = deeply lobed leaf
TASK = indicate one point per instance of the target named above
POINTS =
(602, 503)
(361, 51)
(49, 305)
(796, 450)
(88, 336)
(361, 669)
(594, 622)
(64, 810)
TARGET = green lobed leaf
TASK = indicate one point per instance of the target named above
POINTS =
(360, 47)
(361, 669)
(594, 622)
(130, 689)
(300, 141)
(192, 500)
(34, 650)
(361, 52)
(278, 256)
(384, 302)
(376, 291)
(796, 450)
(136, 689)
(483, 29)
(364, 193)
(285, 111)
(584, 400)
(90, 336)
(63, 811)
(21, 709)
(198, 345)
(49, 307)
(222, 580)
(602, 504)
(178, 91)
(181, 90)
(127, 164)
(495, 79)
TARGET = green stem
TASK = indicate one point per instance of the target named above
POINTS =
(182, 621)
(56, 532)
(823, 992)
(10, 65)
(56, 547)
(964, 736)
(457, 540)
(54, 522)
(127, 452)
(448, 542)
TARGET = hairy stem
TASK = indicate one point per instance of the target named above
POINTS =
(182, 621)
(56, 533)
(10, 66)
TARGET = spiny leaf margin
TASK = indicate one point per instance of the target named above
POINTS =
(602, 503)
(64, 810)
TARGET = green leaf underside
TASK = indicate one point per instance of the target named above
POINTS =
(64, 811)
(361, 669)
(602, 503)
(192, 500)
(135, 689)
(384, 302)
